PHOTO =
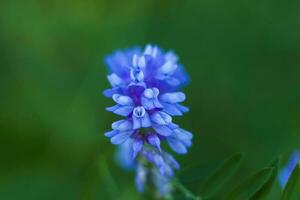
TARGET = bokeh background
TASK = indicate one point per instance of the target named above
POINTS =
(243, 58)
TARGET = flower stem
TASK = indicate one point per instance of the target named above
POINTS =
(185, 191)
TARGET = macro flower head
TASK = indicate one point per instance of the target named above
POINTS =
(145, 87)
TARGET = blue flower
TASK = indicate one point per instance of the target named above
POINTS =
(286, 172)
(145, 86)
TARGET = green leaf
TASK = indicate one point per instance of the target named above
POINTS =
(265, 190)
(292, 189)
(215, 182)
(252, 185)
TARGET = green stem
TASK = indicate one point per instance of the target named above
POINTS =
(186, 192)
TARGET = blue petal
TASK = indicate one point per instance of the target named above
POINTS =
(120, 110)
(110, 92)
(182, 134)
(122, 100)
(177, 146)
(151, 93)
(123, 155)
(151, 50)
(168, 68)
(137, 75)
(139, 62)
(137, 147)
(187, 143)
(147, 103)
(146, 121)
(122, 125)
(181, 75)
(111, 133)
(120, 61)
(141, 178)
(162, 184)
(140, 118)
(114, 80)
(171, 109)
(136, 123)
(121, 137)
(169, 159)
(150, 104)
(173, 126)
(173, 81)
(173, 97)
(154, 140)
(171, 57)
(162, 129)
(161, 118)
(182, 108)
(286, 172)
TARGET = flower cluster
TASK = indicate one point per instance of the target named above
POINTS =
(145, 86)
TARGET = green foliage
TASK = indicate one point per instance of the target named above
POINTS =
(258, 186)
(252, 185)
(265, 190)
(292, 189)
(221, 175)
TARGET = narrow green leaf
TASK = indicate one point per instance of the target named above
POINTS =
(265, 190)
(252, 185)
(215, 182)
(292, 189)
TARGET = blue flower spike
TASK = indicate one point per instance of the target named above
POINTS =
(145, 86)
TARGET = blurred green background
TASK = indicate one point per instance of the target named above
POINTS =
(243, 58)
